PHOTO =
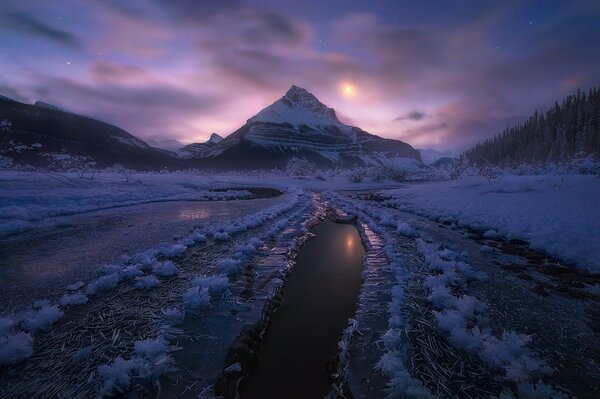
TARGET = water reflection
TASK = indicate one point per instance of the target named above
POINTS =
(194, 213)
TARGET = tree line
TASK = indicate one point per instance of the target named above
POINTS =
(565, 132)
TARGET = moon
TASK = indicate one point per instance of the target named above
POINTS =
(348, 89)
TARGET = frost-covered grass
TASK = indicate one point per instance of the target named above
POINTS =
(558, 215)
(462, 317)
(165, 269)
(150, 361)
(42, 318)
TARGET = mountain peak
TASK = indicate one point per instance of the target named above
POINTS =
(298, 107)
(214, 138)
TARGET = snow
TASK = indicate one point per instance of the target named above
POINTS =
(559, 216)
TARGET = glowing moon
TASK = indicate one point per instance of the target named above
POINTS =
(348, 89)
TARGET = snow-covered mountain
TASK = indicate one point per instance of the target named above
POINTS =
(298, 125)
(40, 134)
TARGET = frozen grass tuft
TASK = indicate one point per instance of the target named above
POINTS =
(173, 250)
(14, 348)
(229, 266)
(167, 269)
(215, 284)
(103, 283)
(256, 242)
(73, 299)
(41, 319)
(406, 230)
(131, 272)
(401, 383)
(146, 282)
(222, 236)
(196, 297)
(116, 376)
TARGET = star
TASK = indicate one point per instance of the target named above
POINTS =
(68, 62)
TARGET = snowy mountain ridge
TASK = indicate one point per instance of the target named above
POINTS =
(299, 125)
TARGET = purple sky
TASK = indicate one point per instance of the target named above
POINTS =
(440, 74)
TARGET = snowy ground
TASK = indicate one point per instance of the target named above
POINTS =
(469, 289)
(558, 215)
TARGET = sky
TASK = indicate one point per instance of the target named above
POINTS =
(437, 74)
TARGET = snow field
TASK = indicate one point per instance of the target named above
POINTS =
(557, 215)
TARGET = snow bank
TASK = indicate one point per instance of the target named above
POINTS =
(557, 215)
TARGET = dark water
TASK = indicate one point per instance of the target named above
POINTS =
(320, 295)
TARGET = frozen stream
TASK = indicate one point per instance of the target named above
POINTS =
(319, 297)
(39, 263)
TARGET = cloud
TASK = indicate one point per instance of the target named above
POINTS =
(411, 116)
(24, 23)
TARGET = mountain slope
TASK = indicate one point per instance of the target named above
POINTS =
(299, 125)
(30, 134)
(197, 150)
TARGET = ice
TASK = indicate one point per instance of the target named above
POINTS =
(166, 269)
